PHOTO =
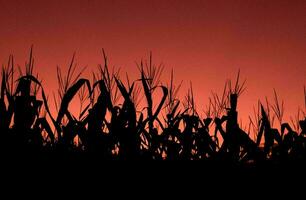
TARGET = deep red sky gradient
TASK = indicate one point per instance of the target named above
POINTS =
(204, 41)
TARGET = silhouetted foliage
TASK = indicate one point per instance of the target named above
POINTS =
(164, 129)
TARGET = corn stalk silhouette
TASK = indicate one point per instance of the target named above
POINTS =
(110, 125)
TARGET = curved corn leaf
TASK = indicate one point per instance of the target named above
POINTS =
(160, 106)
(34, 79)
(69, 95)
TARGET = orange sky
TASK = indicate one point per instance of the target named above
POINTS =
(204, 41)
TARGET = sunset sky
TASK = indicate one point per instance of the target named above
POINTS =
(205, 42)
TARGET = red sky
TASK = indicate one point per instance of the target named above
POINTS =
(206, 42)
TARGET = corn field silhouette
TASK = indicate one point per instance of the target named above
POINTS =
(112, 126)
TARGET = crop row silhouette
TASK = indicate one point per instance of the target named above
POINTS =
(112, 127)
